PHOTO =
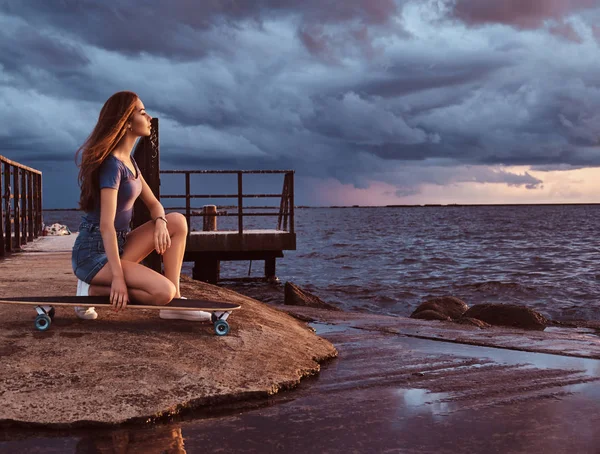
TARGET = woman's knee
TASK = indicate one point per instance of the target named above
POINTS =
(177, 222)
(164, 294)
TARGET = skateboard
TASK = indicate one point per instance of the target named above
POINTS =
(45, 317)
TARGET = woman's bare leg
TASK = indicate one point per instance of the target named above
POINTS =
(140, 243)
(173, 256)
(144, 285)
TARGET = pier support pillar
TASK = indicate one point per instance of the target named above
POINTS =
(270, 268)
(207, 269)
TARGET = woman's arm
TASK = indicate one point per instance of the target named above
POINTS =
(154, 206)
(108, 208)
(162, 239)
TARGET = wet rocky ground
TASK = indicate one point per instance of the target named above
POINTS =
(397, 385)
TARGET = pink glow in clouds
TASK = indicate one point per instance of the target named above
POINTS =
(566, 31)
(359, 13)
(528, 14)
(574, 186)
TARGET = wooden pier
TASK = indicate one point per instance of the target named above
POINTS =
(20, 205)
(209, 247)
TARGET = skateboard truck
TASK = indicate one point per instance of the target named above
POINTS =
(44, 318)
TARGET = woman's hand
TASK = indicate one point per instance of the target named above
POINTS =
(162, 239)
(119, 296)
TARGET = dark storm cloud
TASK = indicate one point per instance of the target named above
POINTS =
(354, 90)
(128, 28)
(178, 29)
(414, 76)
(24, 47)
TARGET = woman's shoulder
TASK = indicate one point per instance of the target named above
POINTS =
(112, 166)
(111, 163)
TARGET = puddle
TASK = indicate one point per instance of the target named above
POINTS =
(323, 329)
(417, 401)
(591, 367)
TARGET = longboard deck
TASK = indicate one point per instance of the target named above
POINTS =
(95, 301)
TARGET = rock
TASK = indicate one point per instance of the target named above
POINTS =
(447, 307)
(430, 315)
(508, 315)
(295, 296)
(473, 322)
(132, 366)
(56, 229)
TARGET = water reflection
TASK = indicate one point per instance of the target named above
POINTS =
(157, 440)
(419, 401)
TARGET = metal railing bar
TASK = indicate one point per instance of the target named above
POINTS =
(20, 166)
(218, 196)
(232, 172)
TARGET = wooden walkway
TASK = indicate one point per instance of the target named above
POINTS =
(249, 241)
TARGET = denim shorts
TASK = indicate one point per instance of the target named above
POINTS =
(88, 255)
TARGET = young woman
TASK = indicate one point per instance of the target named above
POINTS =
(106, 255)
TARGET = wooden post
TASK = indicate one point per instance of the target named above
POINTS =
(282, 208)
(188, 203)
(240, 205)
(270, 268)
(38, 192)
(291, 194)
(17, 207)
(2, 246)
(8, 212)
(30, 223)
(147, 156)
(286, 203)
(207, 268)
(23, 205)
(209, 218)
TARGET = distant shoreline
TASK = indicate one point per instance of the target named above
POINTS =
(427, 205)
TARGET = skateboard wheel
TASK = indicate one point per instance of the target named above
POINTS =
(51, 313)
(42, 322)
(221, 327)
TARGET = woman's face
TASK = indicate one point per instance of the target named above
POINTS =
(140, 120)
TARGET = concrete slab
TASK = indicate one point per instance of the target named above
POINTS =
(49, 244)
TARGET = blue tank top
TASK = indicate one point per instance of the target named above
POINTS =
(113, 173)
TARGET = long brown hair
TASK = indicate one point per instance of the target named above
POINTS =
(109, 130)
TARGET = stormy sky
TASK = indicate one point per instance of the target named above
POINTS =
(371, 102)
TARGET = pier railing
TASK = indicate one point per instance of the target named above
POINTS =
(207, 248)
(20, 205)
(285, 215)
(147, 156)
